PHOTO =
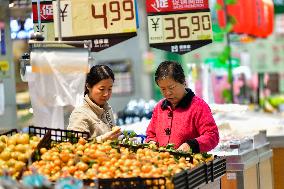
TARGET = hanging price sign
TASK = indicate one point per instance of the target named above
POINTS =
(46, 27)
(46, 11)
(104, 22)
(179, 26)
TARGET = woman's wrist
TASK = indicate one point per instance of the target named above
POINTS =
(194, 145)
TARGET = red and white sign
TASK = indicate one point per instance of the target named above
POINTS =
(156, 6)
(46, 11)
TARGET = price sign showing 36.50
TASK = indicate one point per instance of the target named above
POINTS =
(181, 27)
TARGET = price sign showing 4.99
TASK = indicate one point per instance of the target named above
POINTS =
(179, 29)
(110, 21)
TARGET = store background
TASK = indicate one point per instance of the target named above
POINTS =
(262, 57)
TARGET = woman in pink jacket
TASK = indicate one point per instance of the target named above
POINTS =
(182, 118)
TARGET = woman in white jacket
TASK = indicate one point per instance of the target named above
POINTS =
(95, 116)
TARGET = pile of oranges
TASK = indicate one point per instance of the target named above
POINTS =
(85, 160)
(15, 151)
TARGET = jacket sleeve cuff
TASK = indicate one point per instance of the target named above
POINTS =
(194, 145)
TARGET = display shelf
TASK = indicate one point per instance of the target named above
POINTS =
(9, 132)
(201, 175)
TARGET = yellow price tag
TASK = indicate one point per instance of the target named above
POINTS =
(4, 65)
(184, 27)
(95, 17)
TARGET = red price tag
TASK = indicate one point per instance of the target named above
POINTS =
(46, 11)
(156, 6)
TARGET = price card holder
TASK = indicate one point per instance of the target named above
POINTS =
(179, 28)
(104, 22)
(46, 19)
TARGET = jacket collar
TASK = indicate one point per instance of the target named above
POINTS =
(98, 110)
(184, 103)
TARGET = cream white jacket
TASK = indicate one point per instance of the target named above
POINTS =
(91, 118)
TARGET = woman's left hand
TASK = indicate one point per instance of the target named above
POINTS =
(184, 147)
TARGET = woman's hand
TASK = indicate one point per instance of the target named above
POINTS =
(152, 144)
(114, 134)
(184, 147)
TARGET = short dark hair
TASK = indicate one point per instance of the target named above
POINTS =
(96, 74)
(170, 69)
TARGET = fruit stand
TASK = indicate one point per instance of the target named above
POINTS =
(59, 155)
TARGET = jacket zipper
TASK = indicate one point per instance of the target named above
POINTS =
(172, 116)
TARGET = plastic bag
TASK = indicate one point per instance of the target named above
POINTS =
(58, 80)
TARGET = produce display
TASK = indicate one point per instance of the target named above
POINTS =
(15, 151)
(93, 160)
(54, 158)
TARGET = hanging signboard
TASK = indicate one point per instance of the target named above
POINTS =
(154, 6)
(179, 26)
(46, 11)
(104, 22)
(46, 19)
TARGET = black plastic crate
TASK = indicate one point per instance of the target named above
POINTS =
(180, 180)
(200, 175)
(58, 135)
(50, 135)
(219, 168)
(9, 132)
(129, 183)
(197, 176)
(216, 168)
(192, 178)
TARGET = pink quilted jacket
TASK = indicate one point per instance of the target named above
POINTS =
(191, 122)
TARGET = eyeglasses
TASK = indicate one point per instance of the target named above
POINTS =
(170, 88)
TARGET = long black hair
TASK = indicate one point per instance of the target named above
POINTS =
(96, 74)
(170, 69)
